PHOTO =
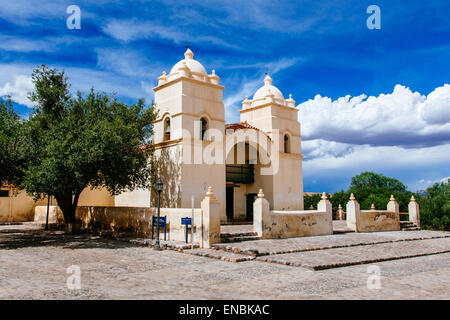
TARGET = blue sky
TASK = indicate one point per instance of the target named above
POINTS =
(369, 99)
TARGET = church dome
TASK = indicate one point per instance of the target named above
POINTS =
(195, 67)
(267, 90)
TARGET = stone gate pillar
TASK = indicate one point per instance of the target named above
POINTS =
(393, 206)
(413, 212)
(260, 211)
(353, 213)
(211, 219)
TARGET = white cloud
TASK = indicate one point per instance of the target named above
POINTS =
(106, 80)
(319, 148)
(401, 118)
(417, 168)
(402, 134)
(18, 90)
(131, 29)
(436, 109)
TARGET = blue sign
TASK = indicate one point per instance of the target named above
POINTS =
(186, 221)
(162, 223)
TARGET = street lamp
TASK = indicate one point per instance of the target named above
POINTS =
(159, 188)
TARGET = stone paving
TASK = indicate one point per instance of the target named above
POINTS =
(346, 256)
(340, 240)
(34, 266)
(221, 255)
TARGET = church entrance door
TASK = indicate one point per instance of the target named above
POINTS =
(230, 203)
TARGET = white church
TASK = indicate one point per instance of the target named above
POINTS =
(262, 151)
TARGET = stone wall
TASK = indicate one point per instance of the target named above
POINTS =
(54, 214)
(138, 220)
(287, 224)
(373, 220)
(18, 206)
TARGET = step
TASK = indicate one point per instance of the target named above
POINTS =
(238, 234)
(300, 244)
(237, 222)
(410, 229)
(341, 257)
(239, 239)
(219, 254)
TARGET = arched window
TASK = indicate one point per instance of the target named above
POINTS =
(287, 148)
(203, 128)
(167, 129)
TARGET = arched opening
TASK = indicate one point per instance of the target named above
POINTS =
(203, 128)
(167, 129)
(287, 147)
(244, 161)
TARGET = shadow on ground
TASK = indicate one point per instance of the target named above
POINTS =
(19, 237)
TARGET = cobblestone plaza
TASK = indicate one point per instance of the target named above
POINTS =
(416, 266)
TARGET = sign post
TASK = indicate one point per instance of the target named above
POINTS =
(192, 226)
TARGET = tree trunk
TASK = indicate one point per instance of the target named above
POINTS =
(68, 205)
(71, 223)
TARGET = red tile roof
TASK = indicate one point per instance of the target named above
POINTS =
(240, 125)
(243, 125)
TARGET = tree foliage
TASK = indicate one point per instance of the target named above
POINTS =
(435, 207)
(11, 155)
(84, 141)
(373, 188)
(369, 188)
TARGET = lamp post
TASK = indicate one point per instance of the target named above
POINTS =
(159, 188)
(48, 208)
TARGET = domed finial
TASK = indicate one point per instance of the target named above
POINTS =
(210, 192)
(372, 207)
(267, 80)
(260, 193)
(324, 196)
(413, 199)
(392, 198)
(311, 207)
(352, 197)
(214, 71)
(188, 54)
(340, 206)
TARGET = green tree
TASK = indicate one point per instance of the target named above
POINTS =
(370, 187)
(371, 180)
(84, 141)
(11, 155)
(435, 207)
(311, 200)
(339, 198)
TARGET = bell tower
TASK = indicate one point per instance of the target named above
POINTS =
(277, 117)
(191, 114)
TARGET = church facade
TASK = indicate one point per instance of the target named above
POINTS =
(197, 149)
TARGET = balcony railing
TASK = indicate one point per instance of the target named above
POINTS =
(240, 173)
